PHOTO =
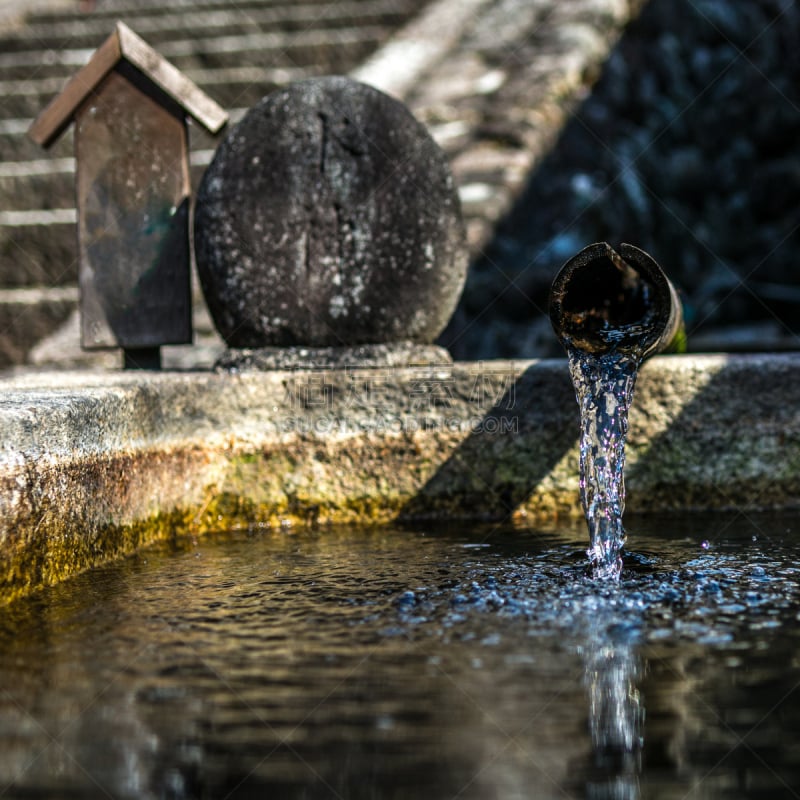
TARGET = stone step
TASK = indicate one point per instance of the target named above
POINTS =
(41, 325)
(129, 9)
(29, 316)
(47, 48)
(220, 66)
(38, 248)
(50, 184)
(215, 65)
(240, 87)
(162, 32)
(16, 146)
(52, 77)
(44, 184)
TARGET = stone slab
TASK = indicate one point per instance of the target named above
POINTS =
(94, 465)
(398, 354)
(30, 316)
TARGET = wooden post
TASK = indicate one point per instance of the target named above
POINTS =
(129, 107)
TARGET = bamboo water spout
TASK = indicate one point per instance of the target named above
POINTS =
(610, 309)
(605, 300)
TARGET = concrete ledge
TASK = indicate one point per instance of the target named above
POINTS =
(94, 465)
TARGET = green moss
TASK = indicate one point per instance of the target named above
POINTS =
(59, 548)
(361, 485)
(246, 458)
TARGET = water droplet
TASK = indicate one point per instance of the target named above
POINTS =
(705, 544)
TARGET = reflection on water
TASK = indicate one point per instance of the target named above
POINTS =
(474, 663)
(616, 720)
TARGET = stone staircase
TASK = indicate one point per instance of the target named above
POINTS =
(236, 53)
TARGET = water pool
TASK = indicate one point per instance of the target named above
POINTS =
(471, 662)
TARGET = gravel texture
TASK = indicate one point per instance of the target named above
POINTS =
(686, 146)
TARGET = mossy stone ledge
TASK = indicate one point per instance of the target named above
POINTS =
(95, 465)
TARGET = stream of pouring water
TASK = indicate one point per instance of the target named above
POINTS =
(610, 309)
(604, 387)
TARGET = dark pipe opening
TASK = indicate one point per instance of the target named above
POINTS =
(600, 294)
(605, 299)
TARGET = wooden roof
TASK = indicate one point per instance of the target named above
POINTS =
(125, 45)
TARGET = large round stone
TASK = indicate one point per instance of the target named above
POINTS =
(329, 217)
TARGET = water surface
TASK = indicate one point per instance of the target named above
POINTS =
(394, 663)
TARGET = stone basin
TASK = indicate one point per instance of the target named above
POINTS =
(97, 464)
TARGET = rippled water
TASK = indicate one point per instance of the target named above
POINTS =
(415, 663)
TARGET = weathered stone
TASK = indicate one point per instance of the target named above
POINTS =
(329, 218)
(401, 354)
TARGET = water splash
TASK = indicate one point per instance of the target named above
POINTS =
(604, 385)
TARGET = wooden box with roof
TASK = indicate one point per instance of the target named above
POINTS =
(130, 109)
